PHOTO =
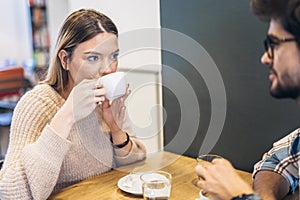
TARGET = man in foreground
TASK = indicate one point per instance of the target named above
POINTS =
(277, 174)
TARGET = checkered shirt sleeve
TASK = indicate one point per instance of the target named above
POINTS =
(283, 158)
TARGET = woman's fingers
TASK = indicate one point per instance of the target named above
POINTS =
(99, 100)
(128, 91)
(99, 93)
(122, 113)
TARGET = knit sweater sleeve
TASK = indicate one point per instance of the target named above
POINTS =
(35, 153)
(137, 151)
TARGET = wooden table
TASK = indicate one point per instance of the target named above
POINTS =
(105, 186)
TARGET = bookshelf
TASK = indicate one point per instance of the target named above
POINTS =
(40, 36)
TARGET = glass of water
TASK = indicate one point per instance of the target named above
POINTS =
(156, 185)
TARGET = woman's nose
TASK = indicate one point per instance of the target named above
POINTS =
(107, 70)
(111, 68)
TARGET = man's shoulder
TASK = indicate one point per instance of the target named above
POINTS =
(290, 143)
(288, 139)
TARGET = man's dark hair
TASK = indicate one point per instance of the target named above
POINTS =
(287, 11)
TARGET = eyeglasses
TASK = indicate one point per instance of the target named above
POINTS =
(271, 41)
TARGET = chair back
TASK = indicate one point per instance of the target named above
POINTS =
(11, 81)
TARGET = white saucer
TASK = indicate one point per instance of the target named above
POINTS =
(131, 183)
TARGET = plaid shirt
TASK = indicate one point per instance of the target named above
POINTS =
(284, 159)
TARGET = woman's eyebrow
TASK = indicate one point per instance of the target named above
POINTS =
(98, 53)
(92, 52)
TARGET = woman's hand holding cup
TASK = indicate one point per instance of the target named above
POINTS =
(79, 104)
(81, 101)
(113, 100)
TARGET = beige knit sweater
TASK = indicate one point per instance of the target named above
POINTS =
(39, 161)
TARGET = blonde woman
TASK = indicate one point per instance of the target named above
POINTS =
(64, 131)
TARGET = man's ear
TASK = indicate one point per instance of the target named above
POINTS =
(63, 57)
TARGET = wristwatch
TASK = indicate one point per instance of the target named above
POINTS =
(247, 197)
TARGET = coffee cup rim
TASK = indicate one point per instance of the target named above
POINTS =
(202, 196)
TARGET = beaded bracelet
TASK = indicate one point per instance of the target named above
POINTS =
(119, 146)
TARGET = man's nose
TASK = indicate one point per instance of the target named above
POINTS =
(265, 59)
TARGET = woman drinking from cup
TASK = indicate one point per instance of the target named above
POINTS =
(60, 133)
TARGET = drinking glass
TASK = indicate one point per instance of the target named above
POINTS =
(156, 185)
(206, 158)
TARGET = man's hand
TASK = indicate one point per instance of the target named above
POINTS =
(220, 180)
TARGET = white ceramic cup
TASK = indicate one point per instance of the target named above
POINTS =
(203, 195)
(114, 85)
(156, 185)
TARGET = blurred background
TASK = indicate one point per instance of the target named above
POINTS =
(227, 30)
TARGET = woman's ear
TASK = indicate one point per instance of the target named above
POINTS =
(63, 57)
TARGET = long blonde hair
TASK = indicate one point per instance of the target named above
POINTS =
(78, 27)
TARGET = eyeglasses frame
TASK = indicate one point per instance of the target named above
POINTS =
(271, 41)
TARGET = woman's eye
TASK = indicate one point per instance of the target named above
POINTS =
(115, 56)
(92, 58)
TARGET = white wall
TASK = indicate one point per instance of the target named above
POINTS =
(127, 14)
(15, 31)
(140, 56)
(57, 11)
